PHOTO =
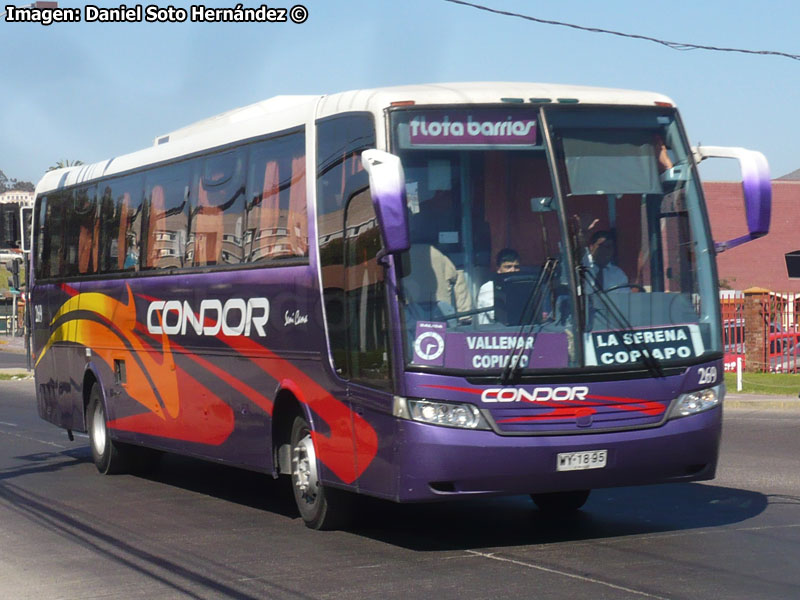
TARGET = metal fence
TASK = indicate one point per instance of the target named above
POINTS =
(762, 329)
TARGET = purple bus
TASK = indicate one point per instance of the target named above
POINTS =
(416, 293)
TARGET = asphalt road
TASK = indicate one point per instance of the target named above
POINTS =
(196, 530)
(13, 358)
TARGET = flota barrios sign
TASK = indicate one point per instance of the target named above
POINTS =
(487, 127)
(152, 13)
(628, 347)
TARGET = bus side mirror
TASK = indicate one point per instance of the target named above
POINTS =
(756, 188)
(388, 188)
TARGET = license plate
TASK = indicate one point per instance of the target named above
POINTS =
(579, 461)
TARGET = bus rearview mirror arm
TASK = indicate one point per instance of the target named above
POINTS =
(756, 189)
(388, 188)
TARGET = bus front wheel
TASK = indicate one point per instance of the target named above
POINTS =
(320, 507)
(107, 455)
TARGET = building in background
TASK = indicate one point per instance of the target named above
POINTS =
(760, 263)
(18, 196)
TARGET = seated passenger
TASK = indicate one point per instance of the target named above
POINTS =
(603, 273)
(434, 284)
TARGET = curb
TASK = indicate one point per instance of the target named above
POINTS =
(17, 372)
(763, 405)
(12, 349)
(762, 402)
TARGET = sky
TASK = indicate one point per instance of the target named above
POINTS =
(92, 91)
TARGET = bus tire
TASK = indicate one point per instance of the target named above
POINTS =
(320, 507)
(561, 502)
(107, 455)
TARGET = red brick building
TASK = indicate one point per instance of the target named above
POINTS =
(759, 263)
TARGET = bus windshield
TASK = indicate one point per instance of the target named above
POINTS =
(553, 238)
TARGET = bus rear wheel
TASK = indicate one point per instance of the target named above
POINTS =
(320, 507)
(561, 503)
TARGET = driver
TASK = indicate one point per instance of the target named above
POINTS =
(507, 261)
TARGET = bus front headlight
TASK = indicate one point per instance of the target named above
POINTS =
(697, 402)
(447, 414)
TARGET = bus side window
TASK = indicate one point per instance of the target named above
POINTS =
(297, 219)
(45, 225)
(127, 250)
(277, 218)
(105, 233)
(269, 214)
(168, 191)
(155, 217)
(216, 228)
(88, 230)
(79, 232)
(207, 228)
(120, 221)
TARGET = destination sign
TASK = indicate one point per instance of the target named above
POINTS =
(433, 345)
(628, 347)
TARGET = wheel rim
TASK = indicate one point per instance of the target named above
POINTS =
(99, 429)
(304, 471)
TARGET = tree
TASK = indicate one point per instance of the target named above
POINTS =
(63, 164)
(22, 186)
(7, 185)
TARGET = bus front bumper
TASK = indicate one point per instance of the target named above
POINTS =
(436, 463)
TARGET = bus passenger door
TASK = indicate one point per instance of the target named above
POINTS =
(46, 300)
(43, 300)
(370, 386)
(58, 363)
(70, 252)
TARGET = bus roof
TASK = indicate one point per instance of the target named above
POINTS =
(285, 112)
(482, 92)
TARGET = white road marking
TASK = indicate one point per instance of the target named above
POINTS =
(565, 574)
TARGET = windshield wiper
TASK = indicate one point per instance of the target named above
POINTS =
(585, 274)
(532, 308)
